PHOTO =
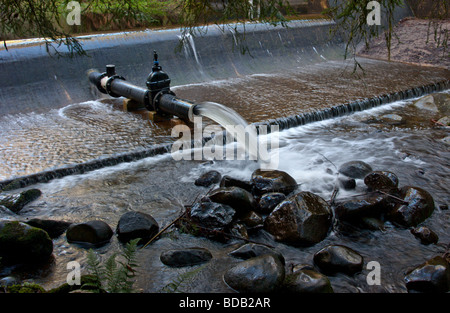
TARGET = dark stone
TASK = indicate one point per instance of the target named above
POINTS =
(212, 214)
(347, 183)
(252, 220)
(20, 242)
(185, 257)
(228, 181)
(92, 232)
(239, 199)
(356, 209)
(426, 235)
(355, 169)
(251, 250)
(372, 223)
(381, 180)
(16, 202)
(418, 207)
(269, 201)
(432, 276)
(272, 181)
(264, 273)
(338, 259)
(208, 179)
(304, 218)
(307, 281)
(134, 225)
(53, 228)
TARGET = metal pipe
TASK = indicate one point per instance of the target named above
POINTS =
(161, 100)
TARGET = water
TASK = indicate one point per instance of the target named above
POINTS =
(414, 149)
(235, 125)
(96, 130)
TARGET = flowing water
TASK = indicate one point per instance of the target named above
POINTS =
(416, 149)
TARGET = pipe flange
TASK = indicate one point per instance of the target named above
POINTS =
(108, 85)
(158, 97)
(98, 84)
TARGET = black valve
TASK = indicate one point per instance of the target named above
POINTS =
(157, 82)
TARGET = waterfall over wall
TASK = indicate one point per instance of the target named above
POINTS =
(33, 80)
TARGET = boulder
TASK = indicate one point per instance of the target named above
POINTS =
(432, 276)
(134, 225)
(251, 250)
(334, 259)
(264, 273)
(307, 281)
(426, 235)
(444, 121)
(269, 201)
(426, 103)
(418, 206)
(185, 257)
(212, 214)
(23, 243)
(92, 232)
(16, 202)
(355, 169)
(381, 180)
(228, 181)
(372, 205)
(252, 220)
(347, 183)
(303, 218)
(239, 199)
(208, 179)
(272, 181)
(53, 228)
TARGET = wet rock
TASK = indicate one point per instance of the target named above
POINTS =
(432, 276)
(418, 206)
(93, 232)
(272, 181)
(9, 281)
(208, 179)
(347, 183)
(4, 211)
(239, 199)
(426, 235)
(252, 250)
(239, 230)
(381, 180)
(338, 259)
(372, 223)
(356, 209)
(444, 121)
(355, 169)
(304, 218)
(185, 257)
(269, 201)
(23, 243)
(252, 220)
(212, 214)
(392, 119)
(134, 225)
(260, 274)
(53, 228)
(307, 281)
(16, 202)
(426, 103)
(228, 181)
